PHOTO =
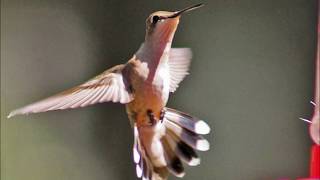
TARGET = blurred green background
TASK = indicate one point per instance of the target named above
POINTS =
(251, 79)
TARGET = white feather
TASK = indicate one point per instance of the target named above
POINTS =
(108, 86)
(179, 62)
(138, 171)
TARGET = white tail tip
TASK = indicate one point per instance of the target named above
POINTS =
(138, 171)
(202, 128)
(203, 145)
(194, 162)
(181, 175)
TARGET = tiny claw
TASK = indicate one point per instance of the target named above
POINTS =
(151, 117)
(162, 112)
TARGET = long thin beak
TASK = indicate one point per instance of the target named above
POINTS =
(178, 13)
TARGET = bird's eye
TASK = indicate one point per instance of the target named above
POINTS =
(155, 19)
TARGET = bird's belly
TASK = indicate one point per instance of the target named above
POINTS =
(149, 96)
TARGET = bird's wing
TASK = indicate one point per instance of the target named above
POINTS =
(179, 62)
(108, 86)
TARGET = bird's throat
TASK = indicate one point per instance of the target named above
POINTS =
(154, 54)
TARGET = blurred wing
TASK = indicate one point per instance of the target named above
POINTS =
(179, 62)
(108, 86)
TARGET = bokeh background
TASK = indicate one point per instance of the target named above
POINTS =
(251, 79)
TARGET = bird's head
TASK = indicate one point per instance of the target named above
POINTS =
(161, 25)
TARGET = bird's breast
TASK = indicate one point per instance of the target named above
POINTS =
(148, 94)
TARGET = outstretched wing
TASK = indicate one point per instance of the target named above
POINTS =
(179, 62)
(108, 86)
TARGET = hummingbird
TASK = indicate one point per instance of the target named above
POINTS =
(164, 138)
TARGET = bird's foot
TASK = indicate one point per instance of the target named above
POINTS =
(162, 112)
(151, 117)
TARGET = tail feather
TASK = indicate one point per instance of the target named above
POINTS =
(160, 173)
(174, 163)
(183, 151)
(194, 140)
(145, 169)
(186, 121)
(162, 148)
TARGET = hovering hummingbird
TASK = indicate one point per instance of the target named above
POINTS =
(163, 137)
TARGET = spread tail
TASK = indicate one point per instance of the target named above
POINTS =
(160, 149)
